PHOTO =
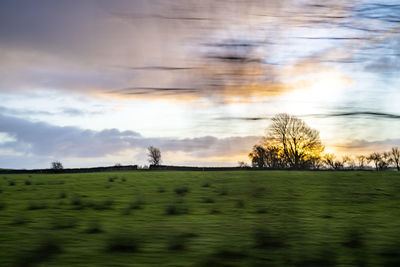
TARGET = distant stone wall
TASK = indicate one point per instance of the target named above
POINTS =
(186, 168)
(75, 170)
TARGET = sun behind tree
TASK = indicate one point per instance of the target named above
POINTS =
(294, 144)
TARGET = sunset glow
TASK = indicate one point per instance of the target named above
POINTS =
(96, 82)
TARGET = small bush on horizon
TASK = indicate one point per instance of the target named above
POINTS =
(11, 183)
(28, 182)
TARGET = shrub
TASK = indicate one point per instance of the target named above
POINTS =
(354, 239)
(161, 190)
(102, 205)
(206, 184)
(11, 183)
(176, 209)
(223, 191)
(214, 211)
(122, 242)
(63, 223)
(94, 227)
(123, 179)
(181, 190)
(20, 220)
(37, 206)
(137, 204)
(2, 205)
(264, 238)
(112, 178)
(239, 204)
(62, 195)
(262, 210)
(77, 202)
(47, 248)
(208, 200)
(28, 182)
(179, 241)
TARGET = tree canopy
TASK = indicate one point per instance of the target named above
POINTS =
(289, 142)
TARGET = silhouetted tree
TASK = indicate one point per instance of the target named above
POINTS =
(331, 161)
(56, 165)
(395, 156)
(274, 157)
(154, 155)
(375, 158)
(300, 144)
(348, 162)
(258, 156)
(242, 164)
(361, 160)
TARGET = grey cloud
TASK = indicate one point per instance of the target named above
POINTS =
(370, 146)
(384, 64)
(43, 139)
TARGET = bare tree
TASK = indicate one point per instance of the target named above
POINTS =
(361, 160)
(375, 158)
(348, 162)
(395, 156)
(296, 139)
(154, 155)
(56, 165)
(330, 160)
(242, 164)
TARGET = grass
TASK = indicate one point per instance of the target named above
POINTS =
(240, 218)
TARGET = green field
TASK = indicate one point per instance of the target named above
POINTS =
(238, 218)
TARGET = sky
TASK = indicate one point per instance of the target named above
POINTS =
(96, 82)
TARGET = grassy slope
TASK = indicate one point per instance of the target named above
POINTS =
(241, 218)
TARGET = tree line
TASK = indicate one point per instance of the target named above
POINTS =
(291, 144)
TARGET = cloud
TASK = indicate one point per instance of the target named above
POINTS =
(364, 146)
(200, 47)
(61, 111)
(46, 140)
(365, 114)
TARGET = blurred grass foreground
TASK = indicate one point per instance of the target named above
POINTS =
(238, 218)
